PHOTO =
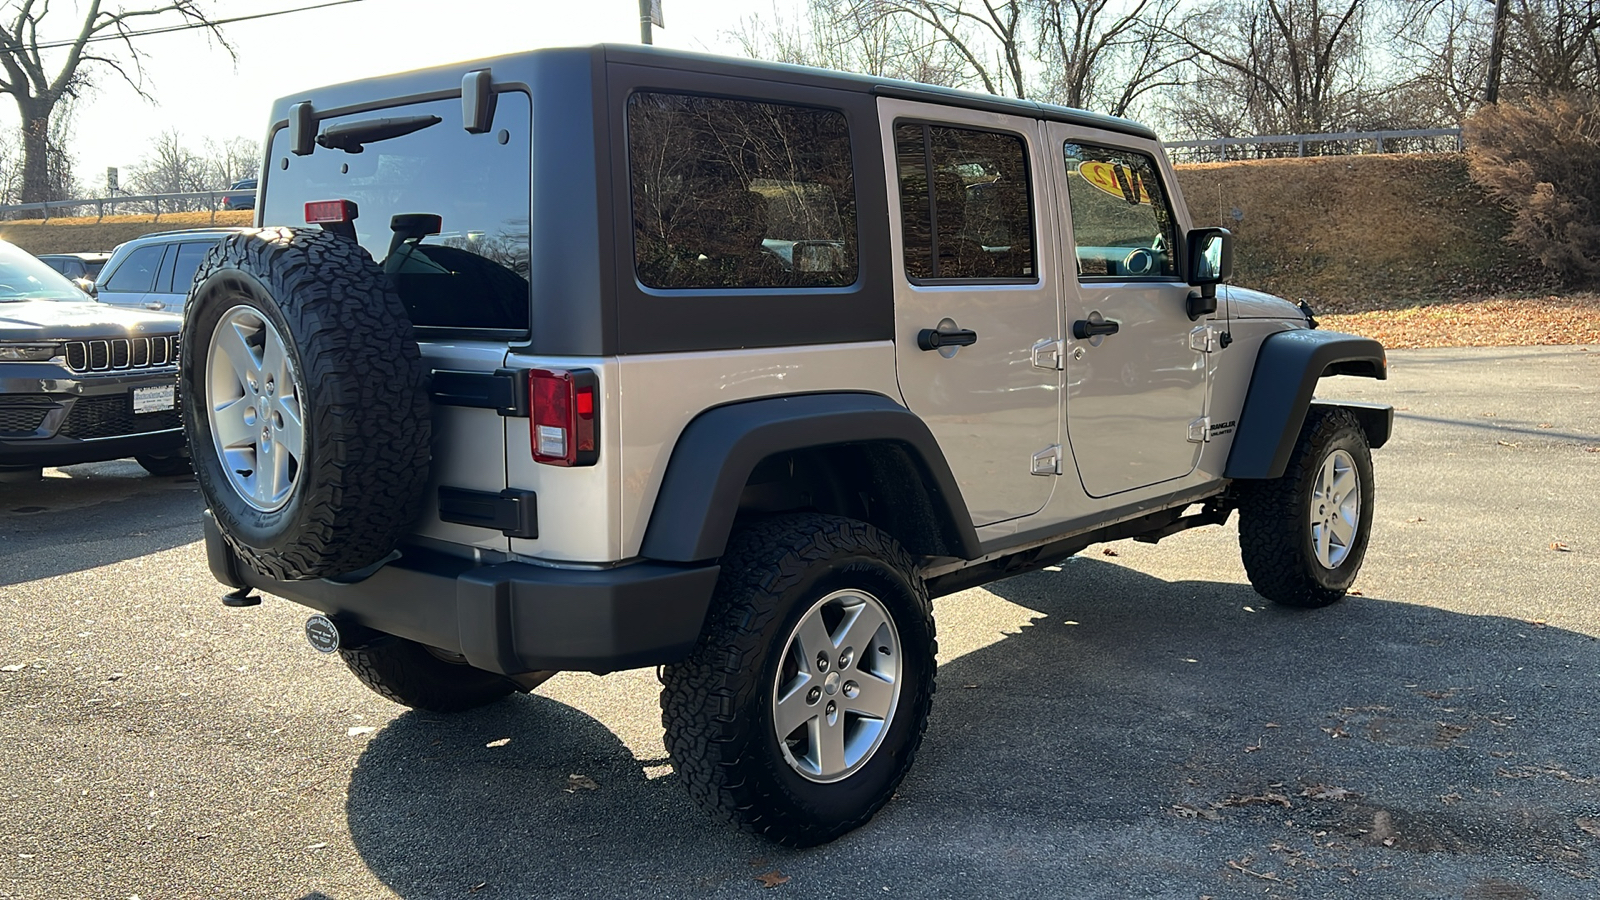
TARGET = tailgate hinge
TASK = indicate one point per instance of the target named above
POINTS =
(1200, 430)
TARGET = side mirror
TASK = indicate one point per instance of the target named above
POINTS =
(1210, 256)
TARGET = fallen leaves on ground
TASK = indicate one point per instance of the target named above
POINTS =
(1253, 799)
(1323, 792)
(1488, 322)
(1559, 546)
(1590, 825)
(1108, 551)
(772, 879)
(576, 783)
(1244, 866)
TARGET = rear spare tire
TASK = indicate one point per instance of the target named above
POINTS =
(304, 402)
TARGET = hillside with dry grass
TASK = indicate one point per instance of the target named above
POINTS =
(88, 234)
(1353, 233)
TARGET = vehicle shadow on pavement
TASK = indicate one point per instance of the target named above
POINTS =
(1135, 738)
(106, 512)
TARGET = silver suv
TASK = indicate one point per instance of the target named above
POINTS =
(153, 271)
(602, 358)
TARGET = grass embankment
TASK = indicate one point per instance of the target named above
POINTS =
(87, 234)
(1403, 248)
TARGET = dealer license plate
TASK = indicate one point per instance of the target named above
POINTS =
(154, 398)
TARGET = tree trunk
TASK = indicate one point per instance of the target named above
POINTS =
(35, 151)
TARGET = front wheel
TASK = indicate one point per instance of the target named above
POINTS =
(804, 702)
(1302, 536)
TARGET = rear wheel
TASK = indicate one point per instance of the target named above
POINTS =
(410, 674)
(804, 703)
(1303, 536)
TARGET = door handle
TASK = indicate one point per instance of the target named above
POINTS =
(155, 304)
(1084, 329)
(932, 339)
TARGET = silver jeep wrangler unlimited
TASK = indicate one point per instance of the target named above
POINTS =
(592, 359)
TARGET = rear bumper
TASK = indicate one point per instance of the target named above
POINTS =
(510, 617)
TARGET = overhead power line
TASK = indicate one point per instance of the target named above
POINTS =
(190, 26)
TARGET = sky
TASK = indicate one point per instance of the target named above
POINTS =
(201, 92)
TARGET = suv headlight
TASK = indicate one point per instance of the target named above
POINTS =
(30, 352)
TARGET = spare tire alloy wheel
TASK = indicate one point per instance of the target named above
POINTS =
(305, 403)
(253, 408)
(837, 686)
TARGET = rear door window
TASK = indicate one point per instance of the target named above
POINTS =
(472, 275)
(740, 193)
(965, 207)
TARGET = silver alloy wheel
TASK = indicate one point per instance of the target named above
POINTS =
(837, 686)
(1335, 509)
(253, 407)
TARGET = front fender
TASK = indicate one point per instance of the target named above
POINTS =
(1287, 369)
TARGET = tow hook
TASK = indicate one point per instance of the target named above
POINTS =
(322, 634)
(241, 598)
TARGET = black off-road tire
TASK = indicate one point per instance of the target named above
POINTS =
(365, 405)
(1275, 534)
(405, 672)
(716, 705)
(164, 466)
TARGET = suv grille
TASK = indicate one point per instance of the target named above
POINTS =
(99, 417)
(122, 353)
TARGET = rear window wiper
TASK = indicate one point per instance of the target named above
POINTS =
(350, 136)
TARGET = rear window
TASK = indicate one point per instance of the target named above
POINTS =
(474, 274)
(740, 193)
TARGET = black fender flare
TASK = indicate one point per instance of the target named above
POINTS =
(714, 456)
(1287, 369)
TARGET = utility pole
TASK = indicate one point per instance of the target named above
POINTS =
(1497, 44)
(649, 14)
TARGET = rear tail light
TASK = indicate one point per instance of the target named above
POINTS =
(565, 421)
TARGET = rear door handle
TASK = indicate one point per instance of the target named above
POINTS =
(1084, 329)
(932, 339)
(155, 304)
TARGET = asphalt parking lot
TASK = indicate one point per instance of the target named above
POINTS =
(1134, 723)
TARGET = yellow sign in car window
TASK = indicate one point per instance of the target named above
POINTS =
(1116, 180)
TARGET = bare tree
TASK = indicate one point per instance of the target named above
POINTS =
(229, 161)
(854, 36)
(1106, 55)
(1276, 66)
(1440, 52)
(171, 168)
(987, 34)
(39, 75)
(1553, 46)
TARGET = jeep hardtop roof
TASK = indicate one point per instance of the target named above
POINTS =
(535, 65)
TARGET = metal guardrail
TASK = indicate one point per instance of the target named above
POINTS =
(1301, 140)
(102, 204)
